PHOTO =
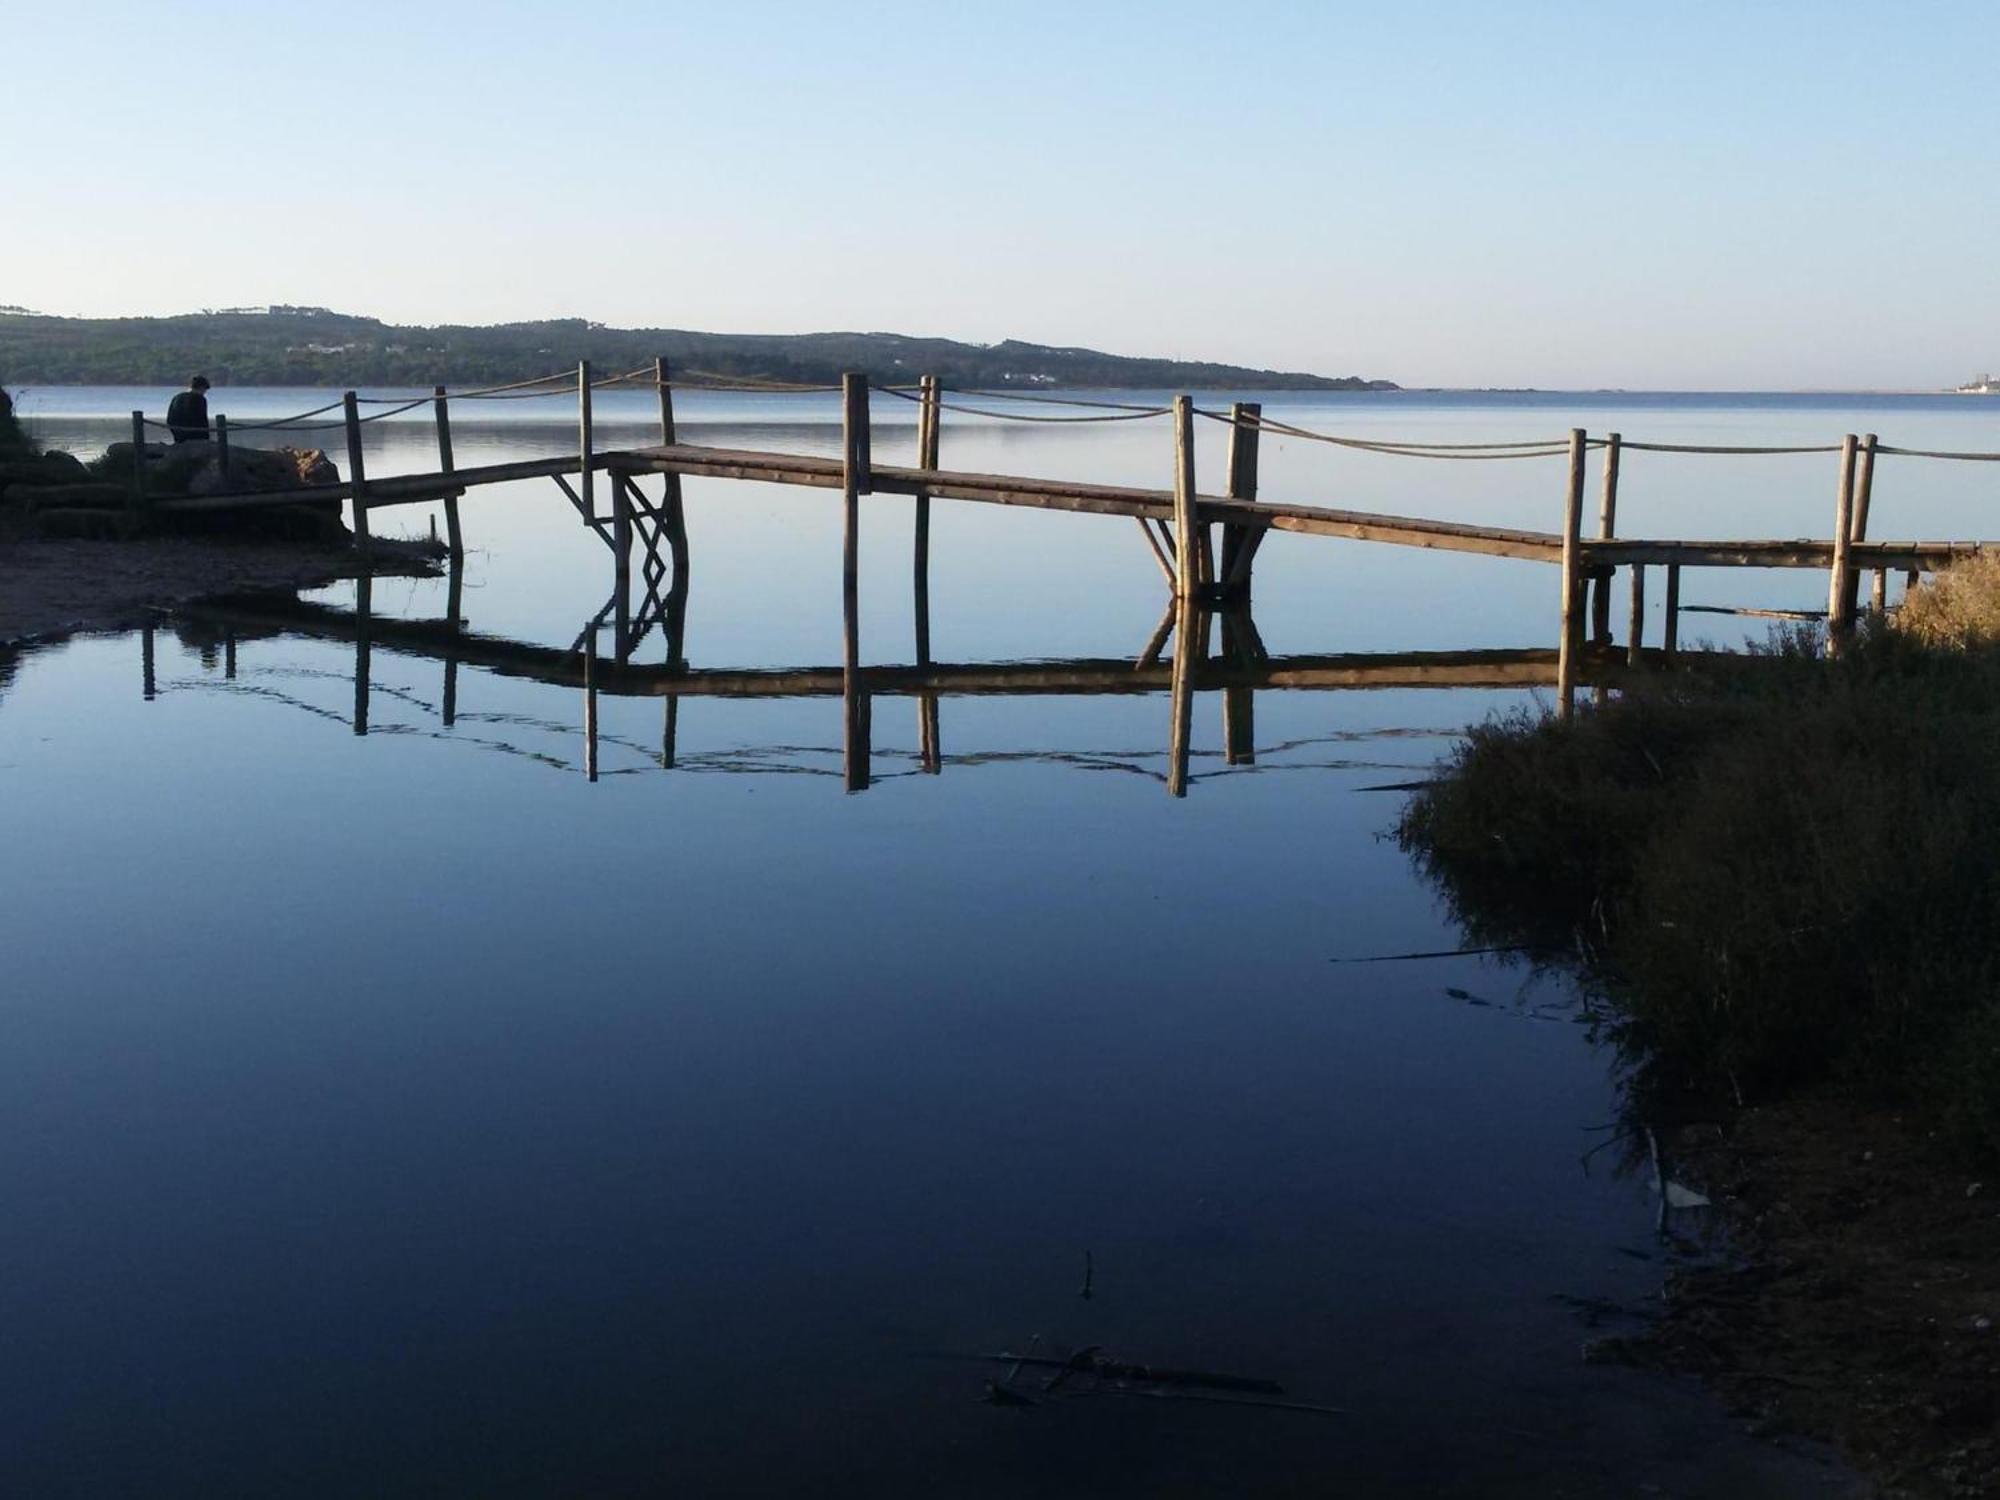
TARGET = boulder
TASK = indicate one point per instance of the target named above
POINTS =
(260, 469)
(29, 469)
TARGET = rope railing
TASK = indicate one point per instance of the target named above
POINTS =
(1123, 414)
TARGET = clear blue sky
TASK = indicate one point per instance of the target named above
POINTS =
(1743, 195)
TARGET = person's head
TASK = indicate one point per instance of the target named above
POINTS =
(199, 383)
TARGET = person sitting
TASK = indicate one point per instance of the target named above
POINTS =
(187, 413)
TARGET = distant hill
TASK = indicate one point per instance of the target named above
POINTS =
(314, 346)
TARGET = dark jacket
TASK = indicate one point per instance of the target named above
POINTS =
(187, 415)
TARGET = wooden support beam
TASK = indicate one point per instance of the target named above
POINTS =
(1160, 554)
(1607, 528)
(441, 412)
(357, 476)
(1572, 535)
(1671, 637)
(1839, 613)
(1187, 551)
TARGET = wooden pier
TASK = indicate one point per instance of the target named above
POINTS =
(1179, 523)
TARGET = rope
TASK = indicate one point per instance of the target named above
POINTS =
(1711, 448)
(1977, 458)
(1124, 414)
(1044, 400)
(1402, 450)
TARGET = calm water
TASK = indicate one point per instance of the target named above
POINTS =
(403, 1114)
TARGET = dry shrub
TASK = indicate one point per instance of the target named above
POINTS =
(1957, 608)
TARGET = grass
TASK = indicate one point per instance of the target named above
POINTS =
(1783, 873)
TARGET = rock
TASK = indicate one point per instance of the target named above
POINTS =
(32, 469)
(91, 494)
(259, 469)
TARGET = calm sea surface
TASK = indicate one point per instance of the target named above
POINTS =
(404, 1114)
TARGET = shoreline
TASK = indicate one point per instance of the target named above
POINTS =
(55, 588)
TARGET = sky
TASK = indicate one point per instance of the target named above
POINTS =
(1684, 196)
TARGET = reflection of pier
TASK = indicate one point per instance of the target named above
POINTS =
(1238, 671)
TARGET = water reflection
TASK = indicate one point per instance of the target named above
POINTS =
(1178, 659)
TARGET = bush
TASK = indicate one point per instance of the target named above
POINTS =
(12, 439)
(1783, 872)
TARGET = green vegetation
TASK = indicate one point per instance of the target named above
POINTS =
(312, 346)
(1782, 872)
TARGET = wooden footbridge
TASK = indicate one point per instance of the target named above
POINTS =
(1205, 544)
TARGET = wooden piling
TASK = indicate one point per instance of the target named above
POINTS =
(1187, 565)
(357, 475)
(1878, 596)
(586, 476)
(441, 412)
(1607, 528)
(1839, 608)
(1864, 491)
(674, 519)
(930, 415)
(1239, 542)
(1636, 631)
(1670, 638)
(854, 483)
(1572, 552)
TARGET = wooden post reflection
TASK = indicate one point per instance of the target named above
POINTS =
(1239, 703)
(590, 701)
(229, 654)
(146, 679)
(364, 603)
(855, 482)
(1157, 641)
(454, 603)
(1192, 628)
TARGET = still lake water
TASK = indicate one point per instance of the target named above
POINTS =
(403, 1114)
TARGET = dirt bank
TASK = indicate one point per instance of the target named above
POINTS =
(54, 588)
(1861, 1301)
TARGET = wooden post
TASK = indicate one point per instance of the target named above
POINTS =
(1839, 614)
(929, 421)
(854, 484)
(357, 473)
(1864, 490)
(1239, 543)
(1572, 535)
(1879, 595)
(1635, 635)
(222, 447)
(675, 518)
(1187, 565)
(441, 409)
(1607, 527)
(585, 478)
(1671, 631)
(138, 469)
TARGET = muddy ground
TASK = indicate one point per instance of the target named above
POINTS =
(1858, 1303)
